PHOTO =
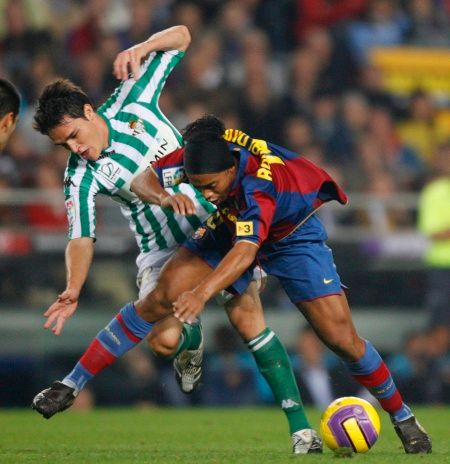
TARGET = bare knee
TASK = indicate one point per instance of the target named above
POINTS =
(163, 344)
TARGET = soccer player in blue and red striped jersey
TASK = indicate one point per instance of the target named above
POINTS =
(108, 150)
(267, 198)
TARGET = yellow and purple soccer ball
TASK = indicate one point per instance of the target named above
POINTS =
(350, 422)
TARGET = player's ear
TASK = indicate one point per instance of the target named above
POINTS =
(88, 111)
(231, 171)
(7, 121)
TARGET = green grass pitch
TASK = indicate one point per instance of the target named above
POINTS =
(187, 436)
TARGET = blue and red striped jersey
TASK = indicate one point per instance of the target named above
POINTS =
(275, 191)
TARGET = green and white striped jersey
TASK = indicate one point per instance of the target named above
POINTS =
(139, 133)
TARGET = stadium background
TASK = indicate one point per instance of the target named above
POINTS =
(360, 87)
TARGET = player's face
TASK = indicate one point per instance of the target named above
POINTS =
(80, 135)
(215, 187)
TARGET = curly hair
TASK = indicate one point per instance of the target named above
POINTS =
(206, 128)
(206, 150)
(59, 99)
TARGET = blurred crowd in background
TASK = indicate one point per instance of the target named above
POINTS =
(230, 376)
(299, 73)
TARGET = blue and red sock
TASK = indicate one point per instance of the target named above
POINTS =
(125, 331)
(371, 372)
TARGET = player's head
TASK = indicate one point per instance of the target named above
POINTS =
(208, 162)
(66, 114)
(9, 109)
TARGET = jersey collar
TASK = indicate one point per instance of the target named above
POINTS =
(241, 156)
(110, 132)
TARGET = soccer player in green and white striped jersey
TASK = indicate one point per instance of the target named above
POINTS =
(108, 148)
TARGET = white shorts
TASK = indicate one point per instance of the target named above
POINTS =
(146, 282)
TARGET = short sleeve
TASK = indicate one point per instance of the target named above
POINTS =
(80, 191)
(253, 222)
(170, 169)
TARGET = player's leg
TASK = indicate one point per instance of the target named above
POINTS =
(121, 334)
(307, 273)
(171, 339)
(168, 334)
(124, 331)
(246, 315)
(331, 319)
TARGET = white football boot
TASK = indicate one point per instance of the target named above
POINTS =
(306, 441)
(188, 367)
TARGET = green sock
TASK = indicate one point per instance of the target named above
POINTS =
(273, 363)
(190, 338)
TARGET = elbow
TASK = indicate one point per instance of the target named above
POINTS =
(134, 186)
(185, 36)
(137, 188)
(250, 260)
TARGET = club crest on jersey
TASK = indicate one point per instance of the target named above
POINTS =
(137, 126)
(199, 233)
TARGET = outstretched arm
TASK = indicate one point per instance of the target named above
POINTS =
(173, 38)
(233, 265)
(79, 253)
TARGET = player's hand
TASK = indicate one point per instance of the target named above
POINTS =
(61, 310)
(188, 306)
(128, 62)
(180, 203)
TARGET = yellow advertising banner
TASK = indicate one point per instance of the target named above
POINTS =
(406, 69)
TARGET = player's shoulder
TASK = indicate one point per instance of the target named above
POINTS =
(78, 173)
(175, 157)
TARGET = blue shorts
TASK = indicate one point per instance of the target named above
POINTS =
(212, 245)
(305, 269)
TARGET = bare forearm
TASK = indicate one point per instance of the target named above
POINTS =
(79, 253)
(174, 38)
(147, 187)
(232, 266)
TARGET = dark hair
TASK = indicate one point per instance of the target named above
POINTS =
(59, 99)
(206, 151)
(208, 127)
(9, 98)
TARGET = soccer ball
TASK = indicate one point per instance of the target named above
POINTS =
(350, 422)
